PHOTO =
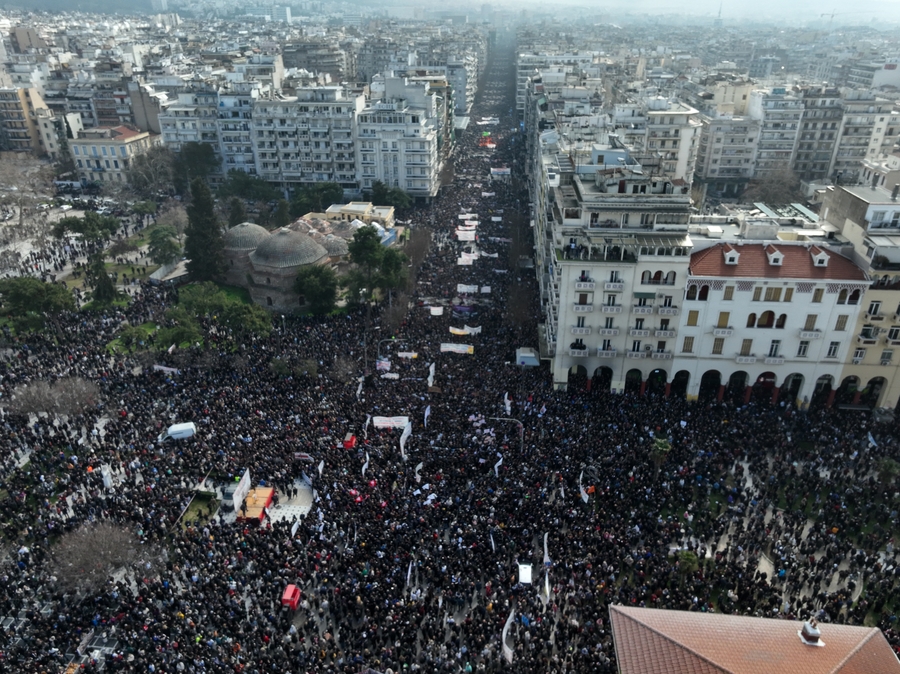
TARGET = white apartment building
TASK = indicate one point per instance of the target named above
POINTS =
(307, 138)
(779, 115)
(528, 64)
(726, 155)
(192, 119)
(235, 115)
(397, 144)
(869, 128)
(104, 154)
(772, 320)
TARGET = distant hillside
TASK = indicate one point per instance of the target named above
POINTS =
(96, 6)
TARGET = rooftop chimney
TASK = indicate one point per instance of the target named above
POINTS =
(810, 633)
(894, 192)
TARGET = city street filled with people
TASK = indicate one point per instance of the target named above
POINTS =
(409, 559)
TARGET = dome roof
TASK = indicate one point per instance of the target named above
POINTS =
(285, 248)
(245, 236)
(335, 245)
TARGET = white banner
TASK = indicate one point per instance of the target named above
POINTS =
(409, 573)
(507, 404)
(485, 290)
(427, 414)
(463, 288)
(464, 261)
(496, 218)
(390, 375)
(457, 348)
(407, 354)
(365, 465)
(462, 235)
(489, 194)
(437, 311)
(366, 427)
(468, 256)
(494, 255)
(525, 574)
(294, 528)
(507, 651)
(390, 422)
(321, 467)
(584, 494)
(419, 470)
(465, 330)
(359, 388)
(403, 438)
(467, 216)
(546, 555)
(243, 488)
(383, 364)
(430, 378)
(493, 547)
(471, 223)
(497, 467)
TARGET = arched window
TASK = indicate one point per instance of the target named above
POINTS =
(854, 297)
(766, 319)
(781, 321)
(842, 297)
(670, 278)
(645, 278)
(751, 321)
(704, 293)
(657, 278)
(692, 292)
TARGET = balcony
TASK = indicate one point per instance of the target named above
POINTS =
(664, 333)
(642, 310)
(723, 332)
(745, 359)
(579, 353)
(866, 338)
(583, 308)
(635, 332)
(585, 285)
(608, 332)
(875, 317)
(774, 360)
(810, 334)
(607, 353)
(661, 355)
(668, 311)
(614, 287)
(636, 354)
(610, 308)
(581, 331)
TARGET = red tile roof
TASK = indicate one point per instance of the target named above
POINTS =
(125, 132)
(753, 262)
(654, 641)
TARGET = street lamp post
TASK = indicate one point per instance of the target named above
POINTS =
(521, 430)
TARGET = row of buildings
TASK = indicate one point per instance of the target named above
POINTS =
(641, 291)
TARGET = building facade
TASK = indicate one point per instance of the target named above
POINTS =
(105, 154)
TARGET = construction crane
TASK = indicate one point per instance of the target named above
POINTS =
(834, 14)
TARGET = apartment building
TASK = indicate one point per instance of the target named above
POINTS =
(819, 133)
(18, 130)
(726, 156)
(779, 115)
(869, 127)
(307, 138)
(105, 154)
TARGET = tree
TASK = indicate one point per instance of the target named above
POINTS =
(888, 470)
(173, 214)
(775, 188)
(282, 215)
(103, 290)
(131, 337)
(67, 396)
(316, 198)
(246, 319)
(247, 187)
(180, 328)
(382, 195)
(195, 160)
(204, 246)
(687, 562)
(163, 247)
(236, 212)
(152, 172)
(366, 253)
(24, 294)
(319, 286)
(119, 248)
(144, 209)
(84, 559)
(203, 299)
(392, 270)
(92, 226)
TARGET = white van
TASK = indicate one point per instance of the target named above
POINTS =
(178, 432)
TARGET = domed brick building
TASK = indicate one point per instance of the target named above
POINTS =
(240, 241)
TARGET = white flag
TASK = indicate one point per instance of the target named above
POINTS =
(403, 438)
(431, 375)
(497, 467)
(437, 311)
(365, 465)
(493, 547)
(418, 470)
(507, 651)
(872, 440)
(366, 427)
(507, 403)
(321, 467)
(359, 388)
(584, 494)
(409, 573)
(546, 556)
(427, 414)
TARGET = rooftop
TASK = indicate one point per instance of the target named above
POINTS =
(655, 641)
(753, 262)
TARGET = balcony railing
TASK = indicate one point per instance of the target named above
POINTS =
(636, 332)
(606, 353)
(580, 331)
(642, 309)
(579, 353)
(611, 308)
(583, 308)
(723, 332)
(661, 355)
(614, 286)
(774, 360)
(745, 359)
(810, 334)
(866, 339)
(584, 285)
(636, 354)
(663, 333)
(608, 332)
(875, 317)
(668, 311)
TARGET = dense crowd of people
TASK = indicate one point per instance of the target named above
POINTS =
(411, 564)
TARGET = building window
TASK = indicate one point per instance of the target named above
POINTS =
(810, 322)
(788, 294)
(773, 294)
(817, 295)
(841, 323)
(75, 150)
(636, 345)
(757, 293)
(688, 345)
(893, 333)
(833, 350)
(724, 317)
(874, 308)
(886, 356)
(729, 293)
(803, 349)
(746, 347)
(859, 354)
(579, 322)
(610, 323)
(693, 317)
(774, 347)
(718, 345)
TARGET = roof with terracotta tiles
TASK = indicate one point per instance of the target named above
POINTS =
(655, 641)
(753, 262)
